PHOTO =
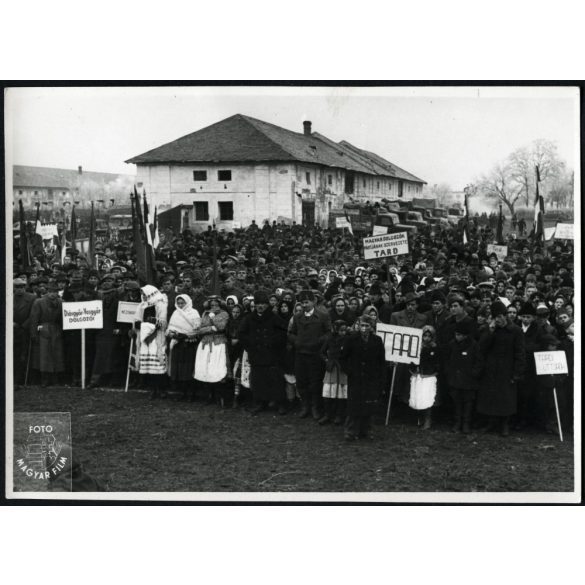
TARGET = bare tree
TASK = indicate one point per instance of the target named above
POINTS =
(522, 171)
(441, 192)
(500, 184)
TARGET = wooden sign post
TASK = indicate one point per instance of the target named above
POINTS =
(126, 312)
(83, 315)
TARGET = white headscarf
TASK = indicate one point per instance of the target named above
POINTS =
(185, 320)
(153, 297)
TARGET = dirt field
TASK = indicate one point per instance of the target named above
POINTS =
(134, 444)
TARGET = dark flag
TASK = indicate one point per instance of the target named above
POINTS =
(92, 238)
(466, 222)
(73, 228)
(144, 266)
(139, 213)
(24, 252)
(538, 227)
(500, 231)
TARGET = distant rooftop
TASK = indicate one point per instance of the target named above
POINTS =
(52, 178)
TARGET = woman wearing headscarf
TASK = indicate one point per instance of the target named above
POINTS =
(150, 322)
(234, 348)
(341, 311)
(183, 325)
(211, 364)
(423, 379)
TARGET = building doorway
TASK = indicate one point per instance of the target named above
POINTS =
(308, 213)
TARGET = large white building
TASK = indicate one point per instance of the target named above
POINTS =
(242, 169)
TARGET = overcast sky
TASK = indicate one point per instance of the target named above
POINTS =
(441, 135)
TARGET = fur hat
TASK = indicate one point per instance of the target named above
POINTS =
(527, 309)
(497, 308)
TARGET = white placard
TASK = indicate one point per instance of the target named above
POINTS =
(385, 245)
(83, 315)
(47, 231)
(550, 362)
(564, 231)
(126, 311)
(500, 251)
(549, 233)
(341, 222)
(236, 225)
(402, 344)
(379, 230)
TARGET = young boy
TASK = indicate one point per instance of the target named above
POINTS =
(464, 365)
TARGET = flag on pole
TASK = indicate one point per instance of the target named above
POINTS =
(24, 248)
(349, 222)
(139, 215)
(538, 227)
(155, 235)
(466, 222)
(92, 238)
(73, 228)
(500, 231)
(38, 220)
(144, 259)
(63, 244)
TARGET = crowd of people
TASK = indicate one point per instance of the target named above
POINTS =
(287, 323)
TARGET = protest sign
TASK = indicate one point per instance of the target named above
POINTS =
(342, 222)
(385, 245)
(549, 233)
(402, 344)
(500, 251)
(126, 311)
(379, 230)
(82, 315)
(564, 231)
(47, 231)
(550, 362)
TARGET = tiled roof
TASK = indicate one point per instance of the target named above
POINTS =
(242, 138)
(51, 178)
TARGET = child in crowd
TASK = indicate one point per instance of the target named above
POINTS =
(464, 367)
(335, 381)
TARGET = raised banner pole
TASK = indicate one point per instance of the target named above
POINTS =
(558, 414)
(83, 359)
(128, 368)
(391, 392)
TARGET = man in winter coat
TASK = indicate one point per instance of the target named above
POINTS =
(263, 335)
(363, 359)
(307, 332)
(46, 329)
(505, 361)
(21, 308)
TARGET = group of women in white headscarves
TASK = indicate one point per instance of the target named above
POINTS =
(190, 346)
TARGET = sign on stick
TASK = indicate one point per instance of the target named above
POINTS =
(385, 245)
(550, 362)
(83, 315)
(564, 231)
(500, 251)
(342, 222)
(47, 231)
(126, 311)
(379, 230)
(549, 233)
(402, 344)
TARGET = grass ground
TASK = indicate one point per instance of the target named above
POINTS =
(134, 444)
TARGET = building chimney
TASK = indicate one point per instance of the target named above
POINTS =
(80, 169)
(307, 128)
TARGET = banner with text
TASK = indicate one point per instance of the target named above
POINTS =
(500, 251)
(402, 344)
(126, 311)
(379, 230)
(550, 362)
(83, 315)
(385, 245)
(564, 231)
(342, 222)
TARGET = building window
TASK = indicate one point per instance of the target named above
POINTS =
(36, 192)
(200, 175)
(364, 183)
(139, 184)
(20, 192)
(224, 175)
(330, 179)
(226, 211)
(389, 186)
(308, 178)
(201, 211)
(378, 185)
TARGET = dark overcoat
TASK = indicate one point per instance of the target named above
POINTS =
(108, 356)
(364, 363)
(47, 349)
(264, 338)
(505, 360)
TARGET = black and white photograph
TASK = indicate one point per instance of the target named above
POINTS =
(301, 293)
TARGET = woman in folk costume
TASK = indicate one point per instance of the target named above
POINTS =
(151, 322)
(181, 332)
(211, 365)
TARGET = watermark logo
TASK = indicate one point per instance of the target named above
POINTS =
(42, 451)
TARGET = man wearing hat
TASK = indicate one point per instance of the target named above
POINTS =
(263, 335)
(505, 364)
(46, 329)
(21, 308)
(308, 331)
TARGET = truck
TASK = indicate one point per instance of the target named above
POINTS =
(364, 216)
(433, 216)
(454, 214)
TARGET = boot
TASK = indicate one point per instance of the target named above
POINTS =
(505, 432)
(467, 410)
(427, 422)
(326, 416)
(44, 380)
(456, 425)
(458, 416)
(305, 409)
